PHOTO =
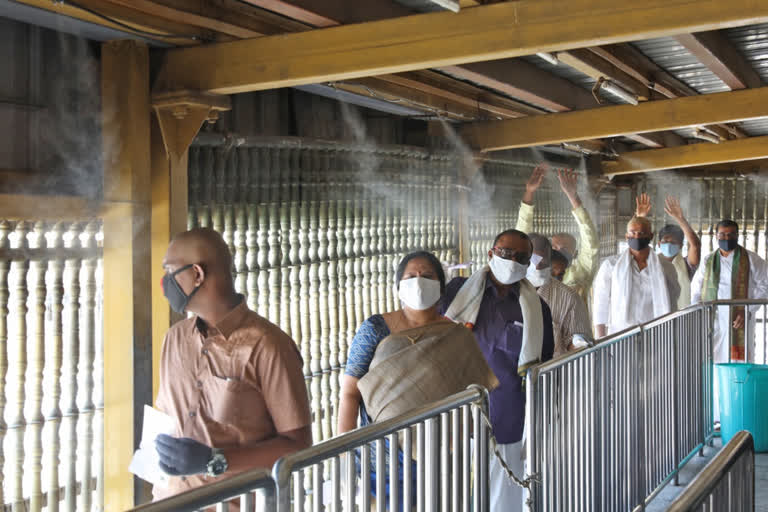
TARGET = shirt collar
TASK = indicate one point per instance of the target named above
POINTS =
(514, 290)
(227, 325)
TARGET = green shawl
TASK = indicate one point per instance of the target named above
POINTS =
(739, 290)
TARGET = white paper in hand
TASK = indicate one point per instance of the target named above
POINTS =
(146, 462)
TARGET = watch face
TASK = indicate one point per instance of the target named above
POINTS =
(217, 465)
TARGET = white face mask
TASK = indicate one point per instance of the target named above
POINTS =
(419, 293)
(538, 277)
(507, 271)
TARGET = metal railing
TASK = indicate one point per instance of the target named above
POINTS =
(612, 424)
(245, 487)
(448, 469)
(727, 482)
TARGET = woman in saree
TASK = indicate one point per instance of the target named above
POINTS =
(407, 358)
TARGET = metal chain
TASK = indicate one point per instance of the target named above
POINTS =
(526, 481)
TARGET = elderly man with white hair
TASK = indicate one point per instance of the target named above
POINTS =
(634, 286)
(581, 264)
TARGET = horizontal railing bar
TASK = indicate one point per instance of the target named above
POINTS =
(214, 493)
(568, 357)
(717, 468)
(8, 507)
(670, 476)
(216, 140)
(359, 437)
(42, 253)
(603, 343)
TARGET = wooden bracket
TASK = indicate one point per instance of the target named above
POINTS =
(181, 114)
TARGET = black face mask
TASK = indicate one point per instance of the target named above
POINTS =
(173, 292)
(728, 245)
(638, 244)
(559, 277)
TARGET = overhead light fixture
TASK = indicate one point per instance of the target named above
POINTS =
(570, 146)
(548, 57)
(451, 5)
(705, 135)
(616, 90)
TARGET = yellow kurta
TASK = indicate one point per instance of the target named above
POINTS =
(582, 270)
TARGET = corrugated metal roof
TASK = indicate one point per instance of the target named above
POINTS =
(755, 127)
(667, 53)
(563, 71)
(753, 43)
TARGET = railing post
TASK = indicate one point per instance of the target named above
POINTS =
(597, 432)
(675, 399)
(638, 429)
(532, 431)
(282, 477)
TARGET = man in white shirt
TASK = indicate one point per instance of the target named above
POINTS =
(731, 272)
(635, 286)
(671, 244)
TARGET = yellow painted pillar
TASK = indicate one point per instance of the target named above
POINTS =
(178, 119)
(127, 296)
(169, 216)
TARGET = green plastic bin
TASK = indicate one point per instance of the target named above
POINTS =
(743, 391)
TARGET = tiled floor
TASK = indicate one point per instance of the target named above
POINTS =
(670, 492)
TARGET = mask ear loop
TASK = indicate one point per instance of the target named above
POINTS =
(178, 286)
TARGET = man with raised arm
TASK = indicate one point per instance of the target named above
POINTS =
(582, 262)
(670, 244)
(634, 286)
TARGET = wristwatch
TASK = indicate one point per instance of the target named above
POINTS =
(217, 465)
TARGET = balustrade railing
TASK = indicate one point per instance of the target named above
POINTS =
(51, 346)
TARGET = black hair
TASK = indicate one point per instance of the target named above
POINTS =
(431, 258)
(727, 223)
(673, 230)
(558, 257)
(512, 232)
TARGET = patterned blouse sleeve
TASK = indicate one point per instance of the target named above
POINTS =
(364, 344)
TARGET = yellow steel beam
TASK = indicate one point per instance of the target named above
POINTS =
(672, 114)
(488, 32)
(26, 206)
(688, 156)
(127, 296)
(182, 34)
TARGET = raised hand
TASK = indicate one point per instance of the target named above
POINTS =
(534, 182)
(643, 202)
(673, 209)
(569, 182)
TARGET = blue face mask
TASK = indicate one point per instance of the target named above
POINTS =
(670, 250)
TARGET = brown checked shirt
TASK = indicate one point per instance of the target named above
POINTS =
(233, 385)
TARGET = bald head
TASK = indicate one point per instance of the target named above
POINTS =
(202, 246)
(200, 262)
(541, 247)
(639, 224)
(565, 241)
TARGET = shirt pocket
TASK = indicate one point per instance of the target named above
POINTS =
(221, 396)
(511, 340)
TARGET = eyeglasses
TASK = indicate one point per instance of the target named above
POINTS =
(522, 258)
(732, 235)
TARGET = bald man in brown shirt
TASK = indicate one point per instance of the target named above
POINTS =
(232, 380)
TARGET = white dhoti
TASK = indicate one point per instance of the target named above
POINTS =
(505, 495)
